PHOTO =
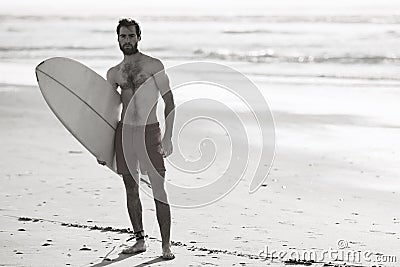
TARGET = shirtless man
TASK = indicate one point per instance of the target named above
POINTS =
(129, 75)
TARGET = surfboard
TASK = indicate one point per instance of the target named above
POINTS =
(84, 102)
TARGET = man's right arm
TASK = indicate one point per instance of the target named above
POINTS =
(111, 80)
(111, 77)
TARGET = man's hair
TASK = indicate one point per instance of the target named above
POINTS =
(127, 22)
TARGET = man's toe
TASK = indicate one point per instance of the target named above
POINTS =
(168, 256)
(133, 250)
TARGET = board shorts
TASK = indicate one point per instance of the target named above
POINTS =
(136, 149)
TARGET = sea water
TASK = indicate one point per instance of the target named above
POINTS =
(287, 42)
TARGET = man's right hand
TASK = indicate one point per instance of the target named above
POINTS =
(101, 162)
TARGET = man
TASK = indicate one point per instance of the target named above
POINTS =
(141, 79)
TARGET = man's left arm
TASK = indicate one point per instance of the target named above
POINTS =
(162, 83)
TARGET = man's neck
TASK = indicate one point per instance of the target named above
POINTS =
(133, 57)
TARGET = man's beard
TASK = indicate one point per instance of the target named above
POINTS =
(129, 50)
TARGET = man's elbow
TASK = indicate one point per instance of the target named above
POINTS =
(169, 108)
(169, 99)
(169, 104)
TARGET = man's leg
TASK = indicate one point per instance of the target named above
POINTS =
(135, 212)
(163, 211)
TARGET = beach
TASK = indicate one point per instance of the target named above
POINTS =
(333, 185)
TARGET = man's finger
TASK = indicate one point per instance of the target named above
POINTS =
(101, 162)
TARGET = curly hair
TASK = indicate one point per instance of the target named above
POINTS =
(126, 22)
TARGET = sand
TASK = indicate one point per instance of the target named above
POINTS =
(335, 177)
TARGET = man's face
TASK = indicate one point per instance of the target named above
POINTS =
(128, 40)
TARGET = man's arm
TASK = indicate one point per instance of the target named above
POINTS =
(162, 83)
(111, 79)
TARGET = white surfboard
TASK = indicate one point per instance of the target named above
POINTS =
(84, 102)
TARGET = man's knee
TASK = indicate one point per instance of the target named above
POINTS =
(157, 180)
(161, 173)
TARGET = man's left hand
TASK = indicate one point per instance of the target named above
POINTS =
(166, 147)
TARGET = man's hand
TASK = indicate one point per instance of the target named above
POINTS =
(166, 147)
(101, 162)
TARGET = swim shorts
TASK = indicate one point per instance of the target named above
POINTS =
(144, 155)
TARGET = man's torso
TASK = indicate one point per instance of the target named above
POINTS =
(139, 90)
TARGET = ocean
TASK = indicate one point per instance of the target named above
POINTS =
(352, 45)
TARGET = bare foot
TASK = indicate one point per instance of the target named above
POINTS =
(139, 246)
(167, 253)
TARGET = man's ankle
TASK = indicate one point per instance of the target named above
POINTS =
(166, 245)
(140, 241)
(139, 235)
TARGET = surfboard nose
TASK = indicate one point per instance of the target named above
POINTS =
(36, 70)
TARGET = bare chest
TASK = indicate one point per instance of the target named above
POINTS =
(132, 76)
(137, 85)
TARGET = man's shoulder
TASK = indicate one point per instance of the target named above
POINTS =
(153, 63)
(113, 70)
